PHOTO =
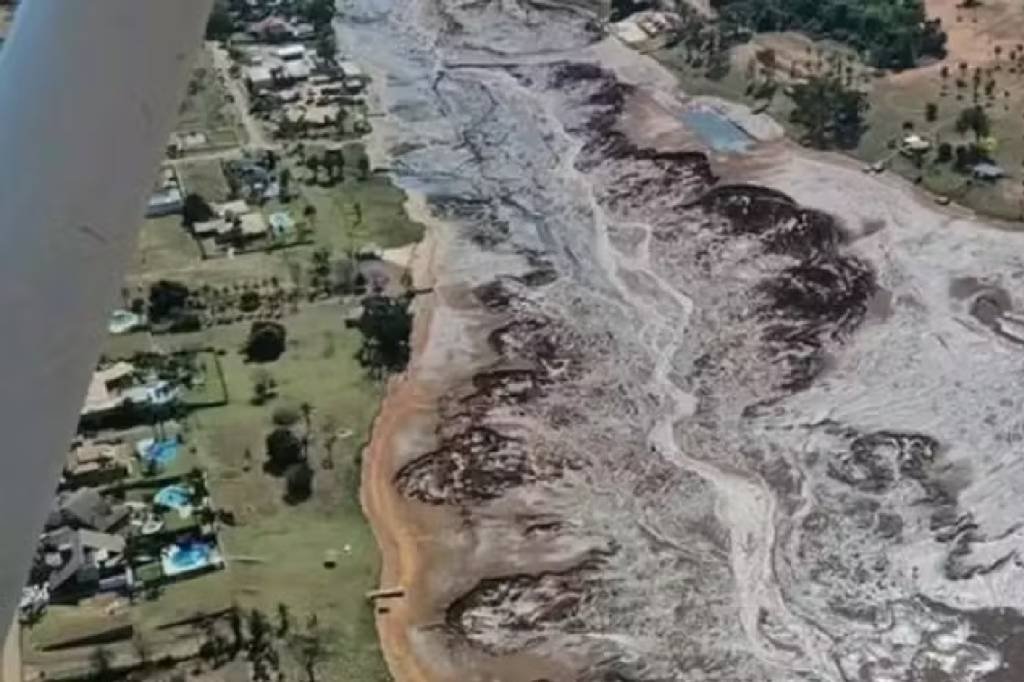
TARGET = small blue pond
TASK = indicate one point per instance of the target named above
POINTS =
(162, 452)
(174, 497)
(718, 132)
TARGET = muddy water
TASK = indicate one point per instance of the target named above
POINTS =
(593, 470)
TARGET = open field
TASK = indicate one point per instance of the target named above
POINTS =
(282, 547)
(207, 107)
(355, 212)
(204, 177)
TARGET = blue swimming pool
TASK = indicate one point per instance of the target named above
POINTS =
(716, 130)
(174, 497)
(162, 452)
(188, 556)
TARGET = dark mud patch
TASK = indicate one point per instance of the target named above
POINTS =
(475, 465)
(499, 614)
(875, 461)
(990, 305)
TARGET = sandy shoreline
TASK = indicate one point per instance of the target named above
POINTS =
(406, 399)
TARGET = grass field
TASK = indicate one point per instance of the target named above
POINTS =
(283, 546)
(204, 177)
(356, 212)
(207, 109)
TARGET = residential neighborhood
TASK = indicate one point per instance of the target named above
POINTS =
(219, 442)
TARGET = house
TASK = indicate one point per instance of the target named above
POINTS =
(86, 508)
(165, 202)
(236, 221)
(291, 53)
(106, 387)
(115, 387)
(187, 141)
(259, 78)
(353, 77)
(988, 171)
(96, 463)
(294, 71)
(273, 29)
(167, 198)
(82, 562)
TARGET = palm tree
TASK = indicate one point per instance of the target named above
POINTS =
(313, 164)
(307, 410)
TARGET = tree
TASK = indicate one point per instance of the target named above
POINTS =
(220, 25)
(307, 411)
(334, 159)
(931, 112)
(945, 152)
(326, 47)
(318, 12)
(364, 167)
(166, 299)
(235, 623)
(298, 480)
(283, 620)
(385, 324)
(313, 164)
(974, 119)
(283, 450)
(344, 275)
(830, 113)
(249, 301)
(258, 631)
(284, 178)
(195, 210)
(286, 415)
(263, 386)
(309, 648)
(944, 72)
(266, 341)
(101, 665)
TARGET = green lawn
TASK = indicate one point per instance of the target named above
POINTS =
(206, 107)
(286, 543)
(355, 212)
(164, 245)
(204, 177)
(275, 554)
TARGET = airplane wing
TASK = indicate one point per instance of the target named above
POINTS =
(89, 90)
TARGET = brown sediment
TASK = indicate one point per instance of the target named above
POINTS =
(387, 512)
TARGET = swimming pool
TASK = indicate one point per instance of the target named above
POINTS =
(188, 556)
(161, 452)
(716, 130)
(174, 497)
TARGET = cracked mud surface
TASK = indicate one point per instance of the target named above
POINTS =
(676, 416)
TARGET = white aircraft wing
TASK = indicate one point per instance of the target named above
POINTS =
(89, 90)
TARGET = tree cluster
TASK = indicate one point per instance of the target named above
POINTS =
(386, 325)
(890, 34)
(830, 113)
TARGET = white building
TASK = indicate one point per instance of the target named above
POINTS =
(290, 53)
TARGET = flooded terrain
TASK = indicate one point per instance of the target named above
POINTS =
(678, 412)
